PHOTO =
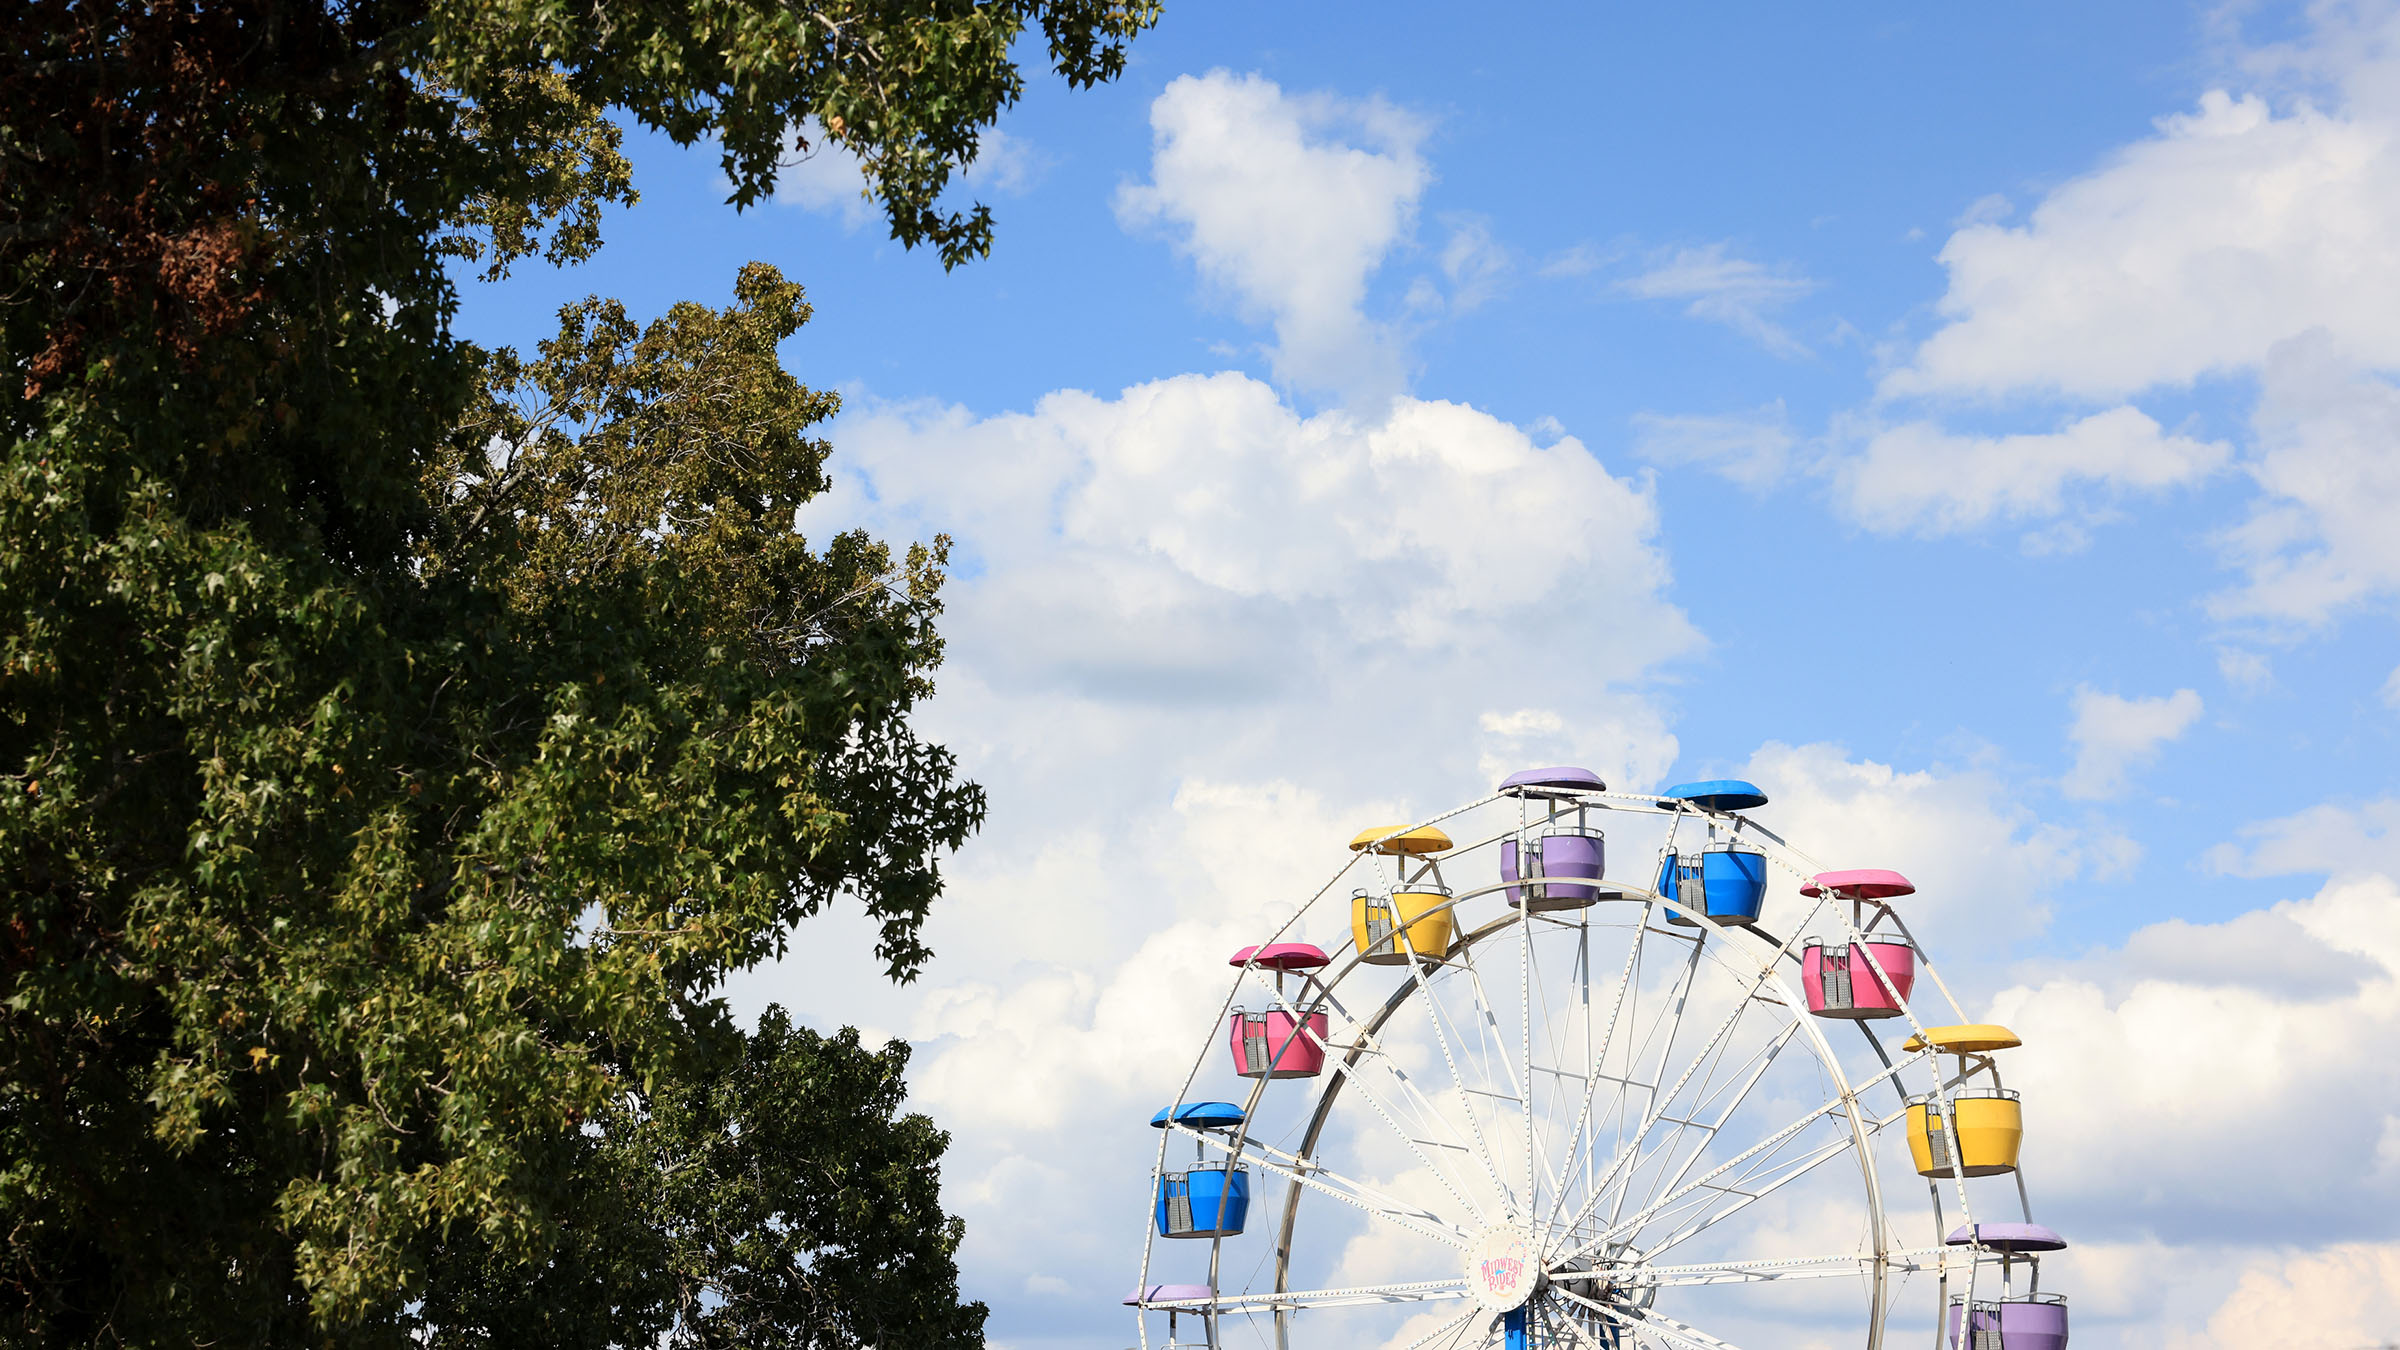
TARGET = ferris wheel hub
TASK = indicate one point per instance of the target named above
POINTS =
(1502, 1269)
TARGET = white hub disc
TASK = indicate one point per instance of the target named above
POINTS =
(1501, 1269)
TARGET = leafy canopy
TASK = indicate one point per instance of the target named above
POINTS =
(399, 740)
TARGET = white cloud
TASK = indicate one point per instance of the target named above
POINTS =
(2320, 538)
(2264, 951)
(1580, 261)
(1736, 292)
(1004, 164)
(2323, 840)
(2199, 1125)
(2256, 235)
(1917, 477)
(829, 178)
(825, 177)
(2113, 736)
(1752, 449)
(2206, 1083)
(2246, 670)
(2341, 1297)
(2391, 689)
(1983, 863)
(1197, 640)
(1628, 735)
(1289, 202)
(1476, 264)
(1985, 210)
(1200, 525)
(2188, 254)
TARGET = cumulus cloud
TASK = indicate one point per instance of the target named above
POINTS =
(1984, 864)
(1917, 477)
(2112, 736)
(1197, 640)
(2320, 539)
(1722, 288)
(1199, 524)
(2324, 840)
(2255, 235)
(2168, 1085)
(2187, 254)
(2343, 1297)
(1290, 203)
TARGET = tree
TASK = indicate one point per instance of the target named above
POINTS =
(399, 741)
(775, 1197)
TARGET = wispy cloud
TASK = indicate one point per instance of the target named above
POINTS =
(1580, 261)
(1476, 264)
(1736, 292)
(1750, 448)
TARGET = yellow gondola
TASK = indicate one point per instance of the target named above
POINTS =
(1417, 843)
(1420, 912)
(1991, 1127)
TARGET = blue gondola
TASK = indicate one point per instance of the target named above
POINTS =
(1726, 883)
(1719, 794)
(1206, 1200)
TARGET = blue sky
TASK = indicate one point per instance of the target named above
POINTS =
(1975, 425)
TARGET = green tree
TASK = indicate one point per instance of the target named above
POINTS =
(775, 1197)
(399, 741)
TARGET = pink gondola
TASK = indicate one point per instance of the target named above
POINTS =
(1860, 883)
(1273, 1044)
(1839, 984)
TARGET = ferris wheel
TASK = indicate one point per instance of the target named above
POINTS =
(1521, 1102)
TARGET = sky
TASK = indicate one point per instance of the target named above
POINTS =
(1974, 426)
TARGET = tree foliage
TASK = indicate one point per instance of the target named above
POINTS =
(773, 1197)
(399, 741)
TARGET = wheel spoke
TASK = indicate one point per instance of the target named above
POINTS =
(1636, 1223)
(1673, 1025)
(1747, 1195)
(1433, 1014)
(1746, 1199)
(1490, 1035)
(1773, 1269)
(1657, 1324)
(1266, 1157)
(1449, 1328)
(1631, 1150)
(1534, 1163)
(1341, 1066)
(1765, 1057)
(1576, 1143)
(1425, 1106)
(1423, 1291)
